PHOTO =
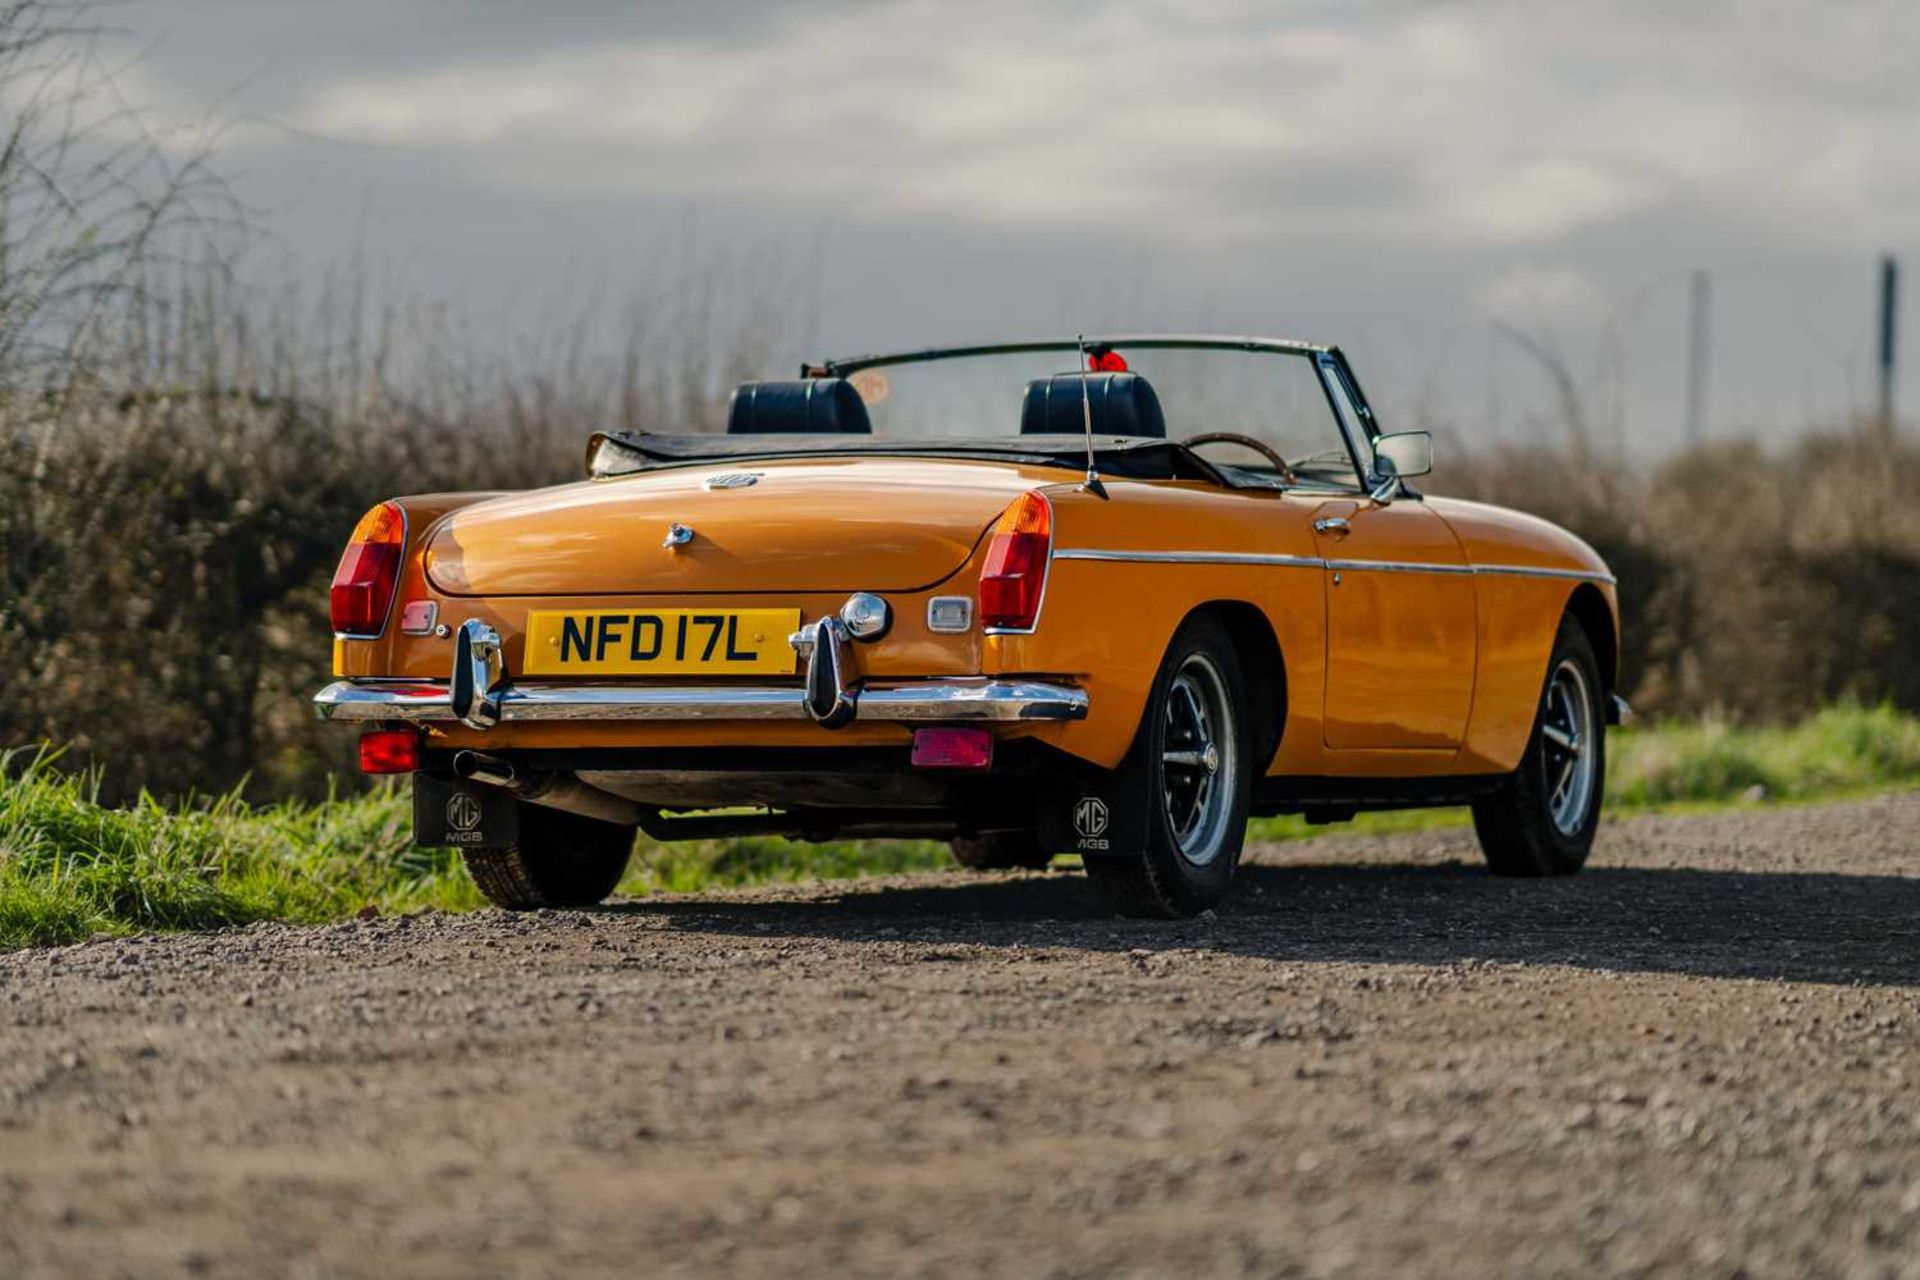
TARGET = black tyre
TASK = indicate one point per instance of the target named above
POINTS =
(1199, 772)
(560, 860)
(1001, 851)
(1541, 821)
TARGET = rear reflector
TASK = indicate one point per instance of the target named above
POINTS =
(952, 749)
(389, 751)
(1015, 574)
(369, 572)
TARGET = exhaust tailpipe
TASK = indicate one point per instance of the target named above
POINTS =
(554, 790)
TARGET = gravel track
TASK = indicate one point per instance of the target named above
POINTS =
(1697, 1059)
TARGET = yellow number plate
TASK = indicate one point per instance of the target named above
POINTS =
(661, 642)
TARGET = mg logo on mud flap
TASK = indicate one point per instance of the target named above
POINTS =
(1090, 819)
(463, 818)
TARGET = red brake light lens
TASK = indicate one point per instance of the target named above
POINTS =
(389, 751)
(1015, 574)
(364, 584)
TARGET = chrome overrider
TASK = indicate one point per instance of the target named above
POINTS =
(480, 695)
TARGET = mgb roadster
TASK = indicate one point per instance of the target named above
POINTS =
(1099, 596)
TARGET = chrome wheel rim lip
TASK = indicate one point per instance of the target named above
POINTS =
(1199, 759)
(1567, 732)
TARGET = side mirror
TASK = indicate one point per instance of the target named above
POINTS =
(1403, 454)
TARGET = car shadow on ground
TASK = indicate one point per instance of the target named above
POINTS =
(1807, 927)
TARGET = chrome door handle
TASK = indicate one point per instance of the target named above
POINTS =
(1332, 524)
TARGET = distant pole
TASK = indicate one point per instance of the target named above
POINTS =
(1889, 315)
(1701, 320)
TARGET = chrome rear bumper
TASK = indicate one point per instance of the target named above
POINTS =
(479, 694)
(917, 702)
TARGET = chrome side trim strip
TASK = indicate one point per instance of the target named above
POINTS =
(1530, 571)
(1190, 557)
(1315, 562)
(934, 700)
(1396, 566)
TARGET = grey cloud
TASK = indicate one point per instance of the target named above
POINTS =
(1391, 171)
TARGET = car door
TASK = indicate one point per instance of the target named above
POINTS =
(1402, 616)
(1401, 625)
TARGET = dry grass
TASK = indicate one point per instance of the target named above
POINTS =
(169, 530)
(1754, 587)
(165, 554)
(181, 457)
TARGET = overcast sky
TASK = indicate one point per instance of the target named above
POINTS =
(1395, 177)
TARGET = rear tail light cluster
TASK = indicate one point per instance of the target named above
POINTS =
(369, 572)
(1016, 570)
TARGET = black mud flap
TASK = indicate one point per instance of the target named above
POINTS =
(464, 815)
(1105, 816)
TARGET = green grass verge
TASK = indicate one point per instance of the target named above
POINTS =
(71, 868)
(1842, 751)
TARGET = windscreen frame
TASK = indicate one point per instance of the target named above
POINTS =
(1329, 363)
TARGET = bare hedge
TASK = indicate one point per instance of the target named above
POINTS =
(165, 559)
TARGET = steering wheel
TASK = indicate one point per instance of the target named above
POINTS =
(1260, 447)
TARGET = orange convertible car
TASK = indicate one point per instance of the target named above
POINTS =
(964, 594)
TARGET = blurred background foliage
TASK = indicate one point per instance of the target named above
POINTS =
(164, 566)
(1754, 587)
(172, 518)
(183, 452)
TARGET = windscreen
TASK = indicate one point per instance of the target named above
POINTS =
(1276, 399)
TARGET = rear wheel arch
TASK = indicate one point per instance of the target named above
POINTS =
(1189, 776)
(1590, 609)
(1262, 665)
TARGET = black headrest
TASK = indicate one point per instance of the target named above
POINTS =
(820, 406)
(1123, 404)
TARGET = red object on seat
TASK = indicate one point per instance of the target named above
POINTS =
(389, 751)
(1109, 362)
(952, 749)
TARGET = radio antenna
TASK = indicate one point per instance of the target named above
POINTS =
(1092, 483)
